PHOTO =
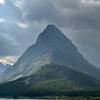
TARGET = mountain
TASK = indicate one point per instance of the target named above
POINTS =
(8, 66)
(52, 46)
(3, 67)
(51, 66)
(52, 80)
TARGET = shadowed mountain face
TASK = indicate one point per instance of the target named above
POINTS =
(52, 46)
(51, 80)
(3, 67)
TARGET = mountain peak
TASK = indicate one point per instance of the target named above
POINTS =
(52, 33)
(51, 25)
(51, 28)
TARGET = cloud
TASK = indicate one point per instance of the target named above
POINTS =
(2, 2)
(9, 11)
(8, 60)
(22, 25)
(2, 20)
(7, 45)
(63, 13)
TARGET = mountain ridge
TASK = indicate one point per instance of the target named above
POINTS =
(61, 51)
(51, 80)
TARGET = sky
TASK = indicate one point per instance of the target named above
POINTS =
(21, 21)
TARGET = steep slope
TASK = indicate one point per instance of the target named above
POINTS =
(52, 79)
(3, 67)
(52, 46)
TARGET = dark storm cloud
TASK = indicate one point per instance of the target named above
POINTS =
(7, 45)
(63, 13)
(9, 16)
